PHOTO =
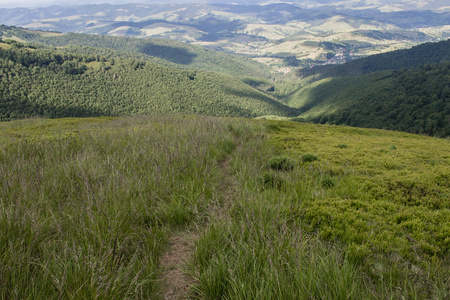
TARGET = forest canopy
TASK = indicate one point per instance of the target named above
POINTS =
(50, 83)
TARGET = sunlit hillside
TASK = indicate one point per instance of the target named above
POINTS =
(200, 207)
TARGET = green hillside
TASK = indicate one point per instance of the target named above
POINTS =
(423, 54)
(197, 207)
(415, 100)
(48, 83)
(164, 50)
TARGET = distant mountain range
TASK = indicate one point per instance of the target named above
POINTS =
(382, 5)
(281, 35)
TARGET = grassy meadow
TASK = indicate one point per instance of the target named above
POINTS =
(278, 210)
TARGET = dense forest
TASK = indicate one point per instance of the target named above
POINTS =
(36, 81)
(423, 54)
(413, 100)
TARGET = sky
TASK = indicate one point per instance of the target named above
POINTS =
(40, 3)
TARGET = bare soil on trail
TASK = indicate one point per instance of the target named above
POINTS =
(226, 189)
(176, 282)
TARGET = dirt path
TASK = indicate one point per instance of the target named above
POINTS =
(181, 245)
(176, 282)
(226, 189)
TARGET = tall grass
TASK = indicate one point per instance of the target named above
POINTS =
(86, 208)
(289, 238)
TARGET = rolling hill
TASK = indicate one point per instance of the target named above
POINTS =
(427, 53)
(275, 33)
(413, 100)
(45, 82)
(161, 51)
(406, 90)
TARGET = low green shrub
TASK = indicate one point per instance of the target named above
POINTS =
(272, 180)
(281, 163)
(298, 119)
(308, 157)
(272, 127)
(327, 181)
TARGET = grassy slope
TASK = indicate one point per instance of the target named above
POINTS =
(367, 194)
(98, 200)
(87, 200)
(330, 95)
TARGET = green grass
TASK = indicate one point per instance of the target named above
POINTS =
(88, 205)
(331, 228)
(377, 183)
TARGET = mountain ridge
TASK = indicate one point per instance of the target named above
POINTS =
(273, 33)
(50, 83)
(370, 93)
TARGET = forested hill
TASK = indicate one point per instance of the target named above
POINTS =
(48, 83)
(427, 53)
(174, 53)
(414, 100)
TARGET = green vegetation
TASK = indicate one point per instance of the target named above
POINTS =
(308, 157)
(285, 34)
(88, 206)
(268, 247)
(154, 76)
(415, 100)
(289, 210)
(375, 190)
(169, 52)
(50, 83)
(281, 162)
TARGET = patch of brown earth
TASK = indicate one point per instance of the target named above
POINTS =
(181, 245)
(226, 189)
(177, 283)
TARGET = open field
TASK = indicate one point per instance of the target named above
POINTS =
(100, 207)
(4, 46)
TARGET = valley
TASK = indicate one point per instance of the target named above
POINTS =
(295, 150)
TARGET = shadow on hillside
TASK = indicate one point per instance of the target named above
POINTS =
(277, 107)
(173, 54)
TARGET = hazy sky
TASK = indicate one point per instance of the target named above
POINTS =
(39, 3)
